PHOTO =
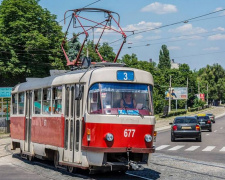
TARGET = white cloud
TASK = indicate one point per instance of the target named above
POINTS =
(142, 26)
(191, 44)
(173, 47)
(217, 37)
(153, 37)
(220, 8)
(188, 29)
(219, 29)
(138, 37)
(211, 49)
(159, 8)
(192, 37)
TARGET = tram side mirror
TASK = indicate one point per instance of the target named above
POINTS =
(79, 91)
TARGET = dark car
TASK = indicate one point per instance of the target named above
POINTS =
(204, 122)
(211, 116)
(185, 127)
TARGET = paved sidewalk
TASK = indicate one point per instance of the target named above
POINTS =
(163, 123)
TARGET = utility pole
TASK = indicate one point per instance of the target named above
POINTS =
(170, 95)
(187, 95)
(87, 52)
(207, 94)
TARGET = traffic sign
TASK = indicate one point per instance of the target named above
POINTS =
(5, 92)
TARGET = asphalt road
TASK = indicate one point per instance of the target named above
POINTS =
(211, 149)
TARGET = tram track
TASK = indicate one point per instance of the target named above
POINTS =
(193, 162)
(63, 170)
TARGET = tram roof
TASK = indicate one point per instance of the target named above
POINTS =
(89, 76)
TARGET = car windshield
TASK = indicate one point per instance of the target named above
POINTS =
(121, 99)
(203, 117)
(185, 120)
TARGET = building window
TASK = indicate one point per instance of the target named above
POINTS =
(14, 103)
(57, 100)
(37, 101)
(21, 103)
(46, 105)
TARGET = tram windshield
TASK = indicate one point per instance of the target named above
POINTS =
(120, 99)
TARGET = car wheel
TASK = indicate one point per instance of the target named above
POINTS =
(199, 139)
(210, 130)
(172, 138)
(214, 121)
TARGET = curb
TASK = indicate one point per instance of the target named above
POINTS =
(168, 127)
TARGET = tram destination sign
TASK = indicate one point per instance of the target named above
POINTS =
(125, 75)
(5, 92)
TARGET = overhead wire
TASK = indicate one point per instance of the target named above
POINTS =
(167, 25)
(83, 7)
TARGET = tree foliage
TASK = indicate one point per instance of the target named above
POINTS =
(164, 58)
(30, 41)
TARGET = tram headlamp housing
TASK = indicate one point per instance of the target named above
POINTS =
(109, 137)
(148, 138)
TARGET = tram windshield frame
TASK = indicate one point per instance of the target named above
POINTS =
(110, 98)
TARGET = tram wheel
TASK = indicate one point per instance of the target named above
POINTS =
(56, 159)
(21, 153)
(30, 158)
(71, 169)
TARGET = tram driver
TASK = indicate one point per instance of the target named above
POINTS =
(128, 101)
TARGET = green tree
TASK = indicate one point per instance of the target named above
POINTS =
(30, 41)
(106, 52)
(164, 58)
(73, 47)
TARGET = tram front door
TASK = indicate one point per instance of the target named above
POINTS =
(28, 113)
(73, 109)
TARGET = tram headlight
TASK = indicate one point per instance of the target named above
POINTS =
(109, 137)
(148, 138)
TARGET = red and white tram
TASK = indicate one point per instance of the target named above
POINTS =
(75, 118)
(98, 118)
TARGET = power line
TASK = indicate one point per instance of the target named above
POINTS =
(167, 25)
(83, 7)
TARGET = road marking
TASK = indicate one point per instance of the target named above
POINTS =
(223, 149)
(207, 134)
(209, 148)
(175, 148)
(162, 147)
(192, 148)
(221, 128)
(215, 131)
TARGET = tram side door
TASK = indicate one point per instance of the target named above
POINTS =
(69, 124)
(78, 123)
(28, 112)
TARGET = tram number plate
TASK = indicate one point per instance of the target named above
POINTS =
(125, 75)
(129, 132)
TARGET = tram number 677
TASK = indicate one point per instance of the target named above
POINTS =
(129, 132)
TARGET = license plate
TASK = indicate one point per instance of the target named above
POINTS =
(187, 127)
(202, 123)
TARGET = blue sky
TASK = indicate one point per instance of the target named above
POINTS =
(198, 42)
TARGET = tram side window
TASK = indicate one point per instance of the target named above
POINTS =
(37, 101)
(14, 103)
(46, 105)
(57, 100)
(21, 103)
(67, 101)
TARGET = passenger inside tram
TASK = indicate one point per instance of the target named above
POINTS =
(128, 101)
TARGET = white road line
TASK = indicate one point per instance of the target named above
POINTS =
(207, 134)
(223, 149)
(221, 128)
(175, 148)
(192, 148)
(209, 148)
(162, 147)
(215, 131)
